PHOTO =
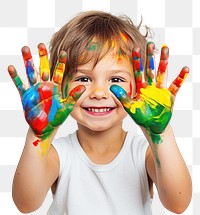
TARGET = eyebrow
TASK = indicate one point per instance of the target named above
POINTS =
(111, 71)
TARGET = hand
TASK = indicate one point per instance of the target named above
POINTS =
(152, 105)
(42, 101)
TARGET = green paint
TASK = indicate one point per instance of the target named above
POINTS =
(152, 111)
(93, 46)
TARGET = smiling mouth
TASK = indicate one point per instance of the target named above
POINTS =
(99, 109)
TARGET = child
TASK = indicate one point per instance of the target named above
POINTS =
(100, 168)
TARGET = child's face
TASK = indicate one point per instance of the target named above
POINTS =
(98, 109)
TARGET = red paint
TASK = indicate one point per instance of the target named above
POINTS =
(183, 73)
(178, 82)
(139, 85)
(136, 65)
(136, 53)
(63, 57)
(46, 96)
(130, 90)
(35, 143)
(42, 49)
(40, 123)
(26, 53)
(162, 66)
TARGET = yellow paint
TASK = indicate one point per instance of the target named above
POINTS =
(160, 78)
(185, 76)
(124, 37)
(43, 148)
(137, 105)
(164, 45)
(44, 67)
(58, 73)
(152, 96)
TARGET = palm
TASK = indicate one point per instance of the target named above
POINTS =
(42, 107)
(42, 101)
(151, 111)
(152, 105)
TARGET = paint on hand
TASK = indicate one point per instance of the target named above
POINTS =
(42, 102)
(150, 62)
(44, 63)
(152, 105)
(177, 83)
(60, 68)
(29, 65)
(152, 111)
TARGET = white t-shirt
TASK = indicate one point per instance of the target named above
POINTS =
(85, 188)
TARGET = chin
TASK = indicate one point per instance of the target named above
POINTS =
(99, 127)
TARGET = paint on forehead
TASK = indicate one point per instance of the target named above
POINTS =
(93, 45)
(124, 37)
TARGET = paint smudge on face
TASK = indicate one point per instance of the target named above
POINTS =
(93, 45)
(124, 37)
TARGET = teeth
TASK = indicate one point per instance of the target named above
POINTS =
(99, 110)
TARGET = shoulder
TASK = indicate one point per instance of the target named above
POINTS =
(138, 143)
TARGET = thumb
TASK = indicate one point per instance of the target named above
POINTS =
(122, 96)
(74, 95)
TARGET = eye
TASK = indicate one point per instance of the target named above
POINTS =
(116, 79)
(83, 79)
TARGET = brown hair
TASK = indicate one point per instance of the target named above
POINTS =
(76, 36)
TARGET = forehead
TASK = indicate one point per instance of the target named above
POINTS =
(111, 61)
(97, 48)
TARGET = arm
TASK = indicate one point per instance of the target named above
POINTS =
(171, 177)
(45, 110)
(34, 176)
(151, 108)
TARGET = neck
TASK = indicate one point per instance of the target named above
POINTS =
(101, 141)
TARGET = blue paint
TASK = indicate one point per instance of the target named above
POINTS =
(30, 98)
(30, 73)
(151, 63)
(141, 65)
(118, 91)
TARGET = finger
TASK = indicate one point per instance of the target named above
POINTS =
(161, 78)
(16, 79)
(121, 94)
(138, 69)
(60, 68)
(44, 62)
(177, 83)
(30, 69)
(74, 95)
(150, 63)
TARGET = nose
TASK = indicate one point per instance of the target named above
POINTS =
(99, 92)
